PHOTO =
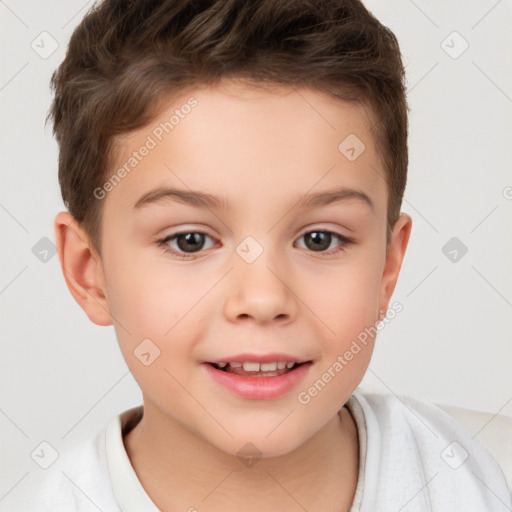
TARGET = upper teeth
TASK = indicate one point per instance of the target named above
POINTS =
(256, 367)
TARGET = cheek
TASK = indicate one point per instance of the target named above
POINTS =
(152, 328)
(346, 299)
(348, 311)
(148, 297)
(148, 302)
(347, 304)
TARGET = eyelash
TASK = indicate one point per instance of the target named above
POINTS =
(163, 243)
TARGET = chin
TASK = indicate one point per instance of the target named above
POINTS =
(253, 444)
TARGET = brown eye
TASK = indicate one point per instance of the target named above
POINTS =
(318, 240)
(190, 242)
(184, 244)
(321, 240)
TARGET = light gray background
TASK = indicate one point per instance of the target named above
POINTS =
(63, 378)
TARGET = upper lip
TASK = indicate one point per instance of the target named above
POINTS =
(260, 358)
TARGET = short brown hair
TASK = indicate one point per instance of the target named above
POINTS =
(126, 57)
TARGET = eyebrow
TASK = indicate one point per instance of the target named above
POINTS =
(204, 200)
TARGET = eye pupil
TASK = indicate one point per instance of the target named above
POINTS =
(316, 237)
(191, 240)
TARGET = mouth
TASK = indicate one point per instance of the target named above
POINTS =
(256, 369)
(258, 380)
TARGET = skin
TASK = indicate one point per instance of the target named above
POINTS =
(262, 150)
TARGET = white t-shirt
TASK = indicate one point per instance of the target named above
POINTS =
(413, 458)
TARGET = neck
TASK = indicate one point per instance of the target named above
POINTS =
(180, 471)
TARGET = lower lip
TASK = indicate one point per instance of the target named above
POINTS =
(259, 388)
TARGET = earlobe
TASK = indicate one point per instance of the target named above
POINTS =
(82, 268)
(394, 258)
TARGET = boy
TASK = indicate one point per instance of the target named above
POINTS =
(255, 130)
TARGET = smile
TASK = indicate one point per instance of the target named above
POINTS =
(258, 381)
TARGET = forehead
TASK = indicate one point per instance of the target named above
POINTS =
(245, 143)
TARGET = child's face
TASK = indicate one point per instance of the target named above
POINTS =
(253, 283)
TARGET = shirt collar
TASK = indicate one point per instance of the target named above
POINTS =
(127, 488)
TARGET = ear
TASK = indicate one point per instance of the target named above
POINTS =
(394, 256)
(82, 268)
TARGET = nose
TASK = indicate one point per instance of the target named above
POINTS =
(260, 291)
